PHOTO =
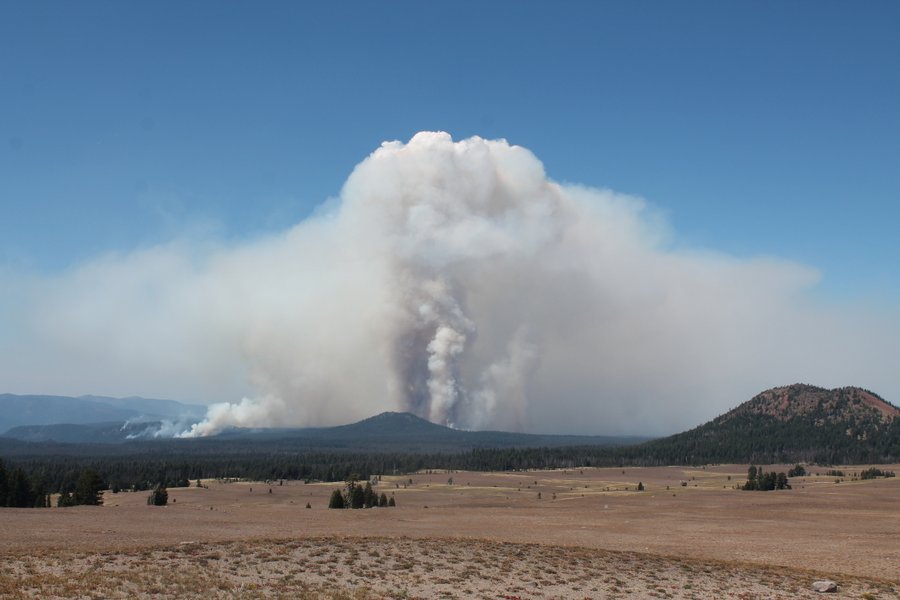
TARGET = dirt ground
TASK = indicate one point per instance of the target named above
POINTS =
(582, 533)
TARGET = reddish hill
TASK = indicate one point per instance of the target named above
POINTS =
(831, 406)
(793, 423)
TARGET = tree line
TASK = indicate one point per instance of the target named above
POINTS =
(17, 489)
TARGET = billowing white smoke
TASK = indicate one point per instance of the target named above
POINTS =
(455, 281)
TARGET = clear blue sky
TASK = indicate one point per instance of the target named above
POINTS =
(759, 128)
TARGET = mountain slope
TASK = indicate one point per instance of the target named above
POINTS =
(792, 423)
(77, 433)
(47, 410)
(16, 410)
(390, 431)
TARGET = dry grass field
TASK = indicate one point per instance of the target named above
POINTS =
(583, 533)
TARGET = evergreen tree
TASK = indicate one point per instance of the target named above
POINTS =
(159, 496)
(88, 489)
(337, 500)
(797, 471)
(781, 482)
(392, 502)
(357, 496)
(4, 491)
(18, 490)
(370, 498)
(751, 478)
(382, 500)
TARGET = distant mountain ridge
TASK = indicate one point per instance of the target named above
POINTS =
(797, 422)
(785, 424)
(389, 431)
(18, 410)
(81, 433)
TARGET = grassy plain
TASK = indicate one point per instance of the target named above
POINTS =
(579, 533)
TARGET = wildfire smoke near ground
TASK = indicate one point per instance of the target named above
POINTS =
(457, 281)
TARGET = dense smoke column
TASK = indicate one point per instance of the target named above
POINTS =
(427, 352)
(442, 210)
(453, 280)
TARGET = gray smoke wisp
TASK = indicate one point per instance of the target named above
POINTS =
(456, 281)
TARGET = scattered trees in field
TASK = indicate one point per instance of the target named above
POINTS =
(875, 472)
(759, 480)
(359, 496)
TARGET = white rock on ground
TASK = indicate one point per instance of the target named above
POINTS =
(824, 586)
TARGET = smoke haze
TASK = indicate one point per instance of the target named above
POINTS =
(453, 280)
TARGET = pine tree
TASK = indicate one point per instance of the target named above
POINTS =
(18, 490)
(337, 500)
(88, 489)
(751, 478)
(382, 500)
(370, 498)
(159, 496)
(4, 491)
(357, 496)
(781, 481)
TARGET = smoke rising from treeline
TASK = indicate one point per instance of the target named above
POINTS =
(456, 281)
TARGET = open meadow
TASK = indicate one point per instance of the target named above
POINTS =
(578, 533)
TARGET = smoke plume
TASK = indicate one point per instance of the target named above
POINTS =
(456, 281)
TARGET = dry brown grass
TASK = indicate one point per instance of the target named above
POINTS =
(486, 536)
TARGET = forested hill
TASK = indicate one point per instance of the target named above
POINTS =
(789, 424)
(387, 432)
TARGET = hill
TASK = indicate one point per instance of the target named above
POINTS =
(790, 424)
(390, 431)
(16, 410)
(80, 433)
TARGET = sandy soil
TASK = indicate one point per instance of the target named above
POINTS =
(590, 534)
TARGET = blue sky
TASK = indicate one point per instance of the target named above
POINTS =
(757, 128)
(163, 165)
